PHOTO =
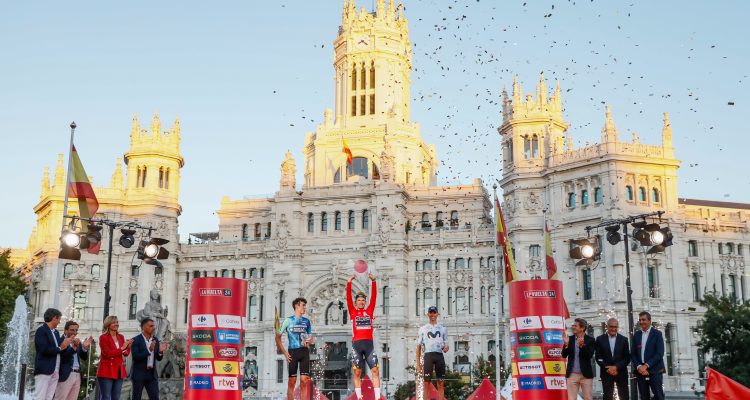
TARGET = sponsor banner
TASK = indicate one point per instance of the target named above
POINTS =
(531, 337)
(554, 367)
(530, 353)
(202, 336)
(199, 382)
(217, 311)
(556, 382)
(197, 351)
(529, 322)
(230, 337)
(530, 368)
(227, 352)
(513, 340)
(229, 321)
(552, 352)
(531, 383)
(200, 367)
(536, 313)
(553, 322)
(226, 367)
(202, 321)
(553, 337)
(226, 383)
(512, 324)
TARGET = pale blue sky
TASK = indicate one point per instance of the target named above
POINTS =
(248, 79)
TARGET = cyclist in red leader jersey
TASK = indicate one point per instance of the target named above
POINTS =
(363, 348)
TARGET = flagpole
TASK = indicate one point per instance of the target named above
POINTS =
(58, 278)
(498, 307)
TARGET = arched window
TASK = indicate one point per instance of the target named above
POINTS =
(535, 146)
(459, 263)
(133, 306)
(372, 75)
(310, 222)
(324, 221)
(363, 79)
(454, 219)
(337, 220)
(629, 193)
(354, 77)
(461, 306)
(257, 231)
(268, 230)
(245, 232)
(358, 167)
(642, 193)
(584, 197)
(482, 301)
(417, 265)
(337, 176)
(450, 301)
(252, 309)
(375, 172)
(428, 300)
(138, 177)
(351, 220)
(143, 177)
(510, 150)
(427, 264)
(526, 148)
(79, 304)
(439, 219)
(571, 200)
(598, 195)
(166, 178)
(418, 309)
(655, 198)
(491, 306)
(135, 270)
(426, 221)
(471, 300)
(365, 219)
(161, 177)
(95, 271)
(67, 270)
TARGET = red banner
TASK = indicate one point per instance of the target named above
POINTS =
(537, 329)
(720, 387)
(215, 337)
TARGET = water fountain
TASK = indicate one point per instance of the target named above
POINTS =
(15, 352)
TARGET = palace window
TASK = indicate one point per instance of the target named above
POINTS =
(669, 351)
(324, 221)
(95, 271)
(419, 303)
(282, 302)
(428, 297)
(655, 198)
(354, 77)
(733, 288)
(252, 309)
(461, 306)
(337, 221)
(642, 194)
(79, 304)
(426, 221)
(365, 219)
(427, 265)
(651, 278)
(482, 300)
(450, 301)
(492, 306)
(459, 263)
(363, 78)
(358, 167)
(257, 231)
(629, 193)
(362, 103)
(586, 281)
(310, 222)
(571, 200)
(454, 219)
(135, 270)
(598, 195)
(386, 302)
(696, 288)
(67, 270)
(585, 197)
(439, 219)
(535, 146)
(133, 308)
(372, 103)
(354, 106)
(245, 232)
(351, 220)
(692, 248)
(535, 251)
(372, 75)
(526, 148)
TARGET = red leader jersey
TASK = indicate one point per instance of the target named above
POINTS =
(361, 319)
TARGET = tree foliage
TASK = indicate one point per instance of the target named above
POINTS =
(724, 334)
(11, 285)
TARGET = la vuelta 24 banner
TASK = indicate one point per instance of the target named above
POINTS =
(215, 337)
(537, 328)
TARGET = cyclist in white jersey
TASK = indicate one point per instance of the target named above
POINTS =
(434, 337)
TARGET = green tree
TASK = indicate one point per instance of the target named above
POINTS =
(11, 285)
(724, 329)
(483, 368)
(88, 372)
(456, 386)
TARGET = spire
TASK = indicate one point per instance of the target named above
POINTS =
(506, 104)
(557, 98)
(155, 125)
(517, 95)
(541, 90)
(569, 140)
(345, 14)
(401, 11)
(176, 128)
(666, 131)
(45, 183)
(136, 129)
(59, 173)
(609, 132)
(380, 9)
(117, 178)
(391, 13)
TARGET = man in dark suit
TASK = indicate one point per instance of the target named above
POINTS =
(49, 345)
(579, 348)
(69, 383)
(613, 357)
(146, 352)
(647, 356)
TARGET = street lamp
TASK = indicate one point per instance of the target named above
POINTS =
(644, 233)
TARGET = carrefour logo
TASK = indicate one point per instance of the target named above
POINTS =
(531, 383)
(530, 322)
(556, 382)
(554, 367)
(201, 352)
(530, 353)
(553, 337)
(231, 337)
(202, 336)
(530, 368)
(200, 382)
(533, 337)
(203, 321)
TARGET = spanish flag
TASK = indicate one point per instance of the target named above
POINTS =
(510, 272)
(347, 151)
(81, 189)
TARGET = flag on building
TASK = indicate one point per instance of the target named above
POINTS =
(551, 266)
(81, 189)
(347, 151)
(721, 387)
(511, 274)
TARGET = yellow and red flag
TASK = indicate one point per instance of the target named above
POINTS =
(81, 189)
(345, 148)
(510, 272)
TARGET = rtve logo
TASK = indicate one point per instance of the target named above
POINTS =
(225, 383)
(556, 382)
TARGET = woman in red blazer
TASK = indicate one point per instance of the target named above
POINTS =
(111, 370)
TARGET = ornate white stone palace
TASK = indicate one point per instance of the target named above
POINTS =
(428, 244)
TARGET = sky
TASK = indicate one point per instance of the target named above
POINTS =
(248, 80)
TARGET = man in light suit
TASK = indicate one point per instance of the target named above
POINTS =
(69, 383)
(146, 352)
(613, 357)
(647, 356)
(49, 346)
